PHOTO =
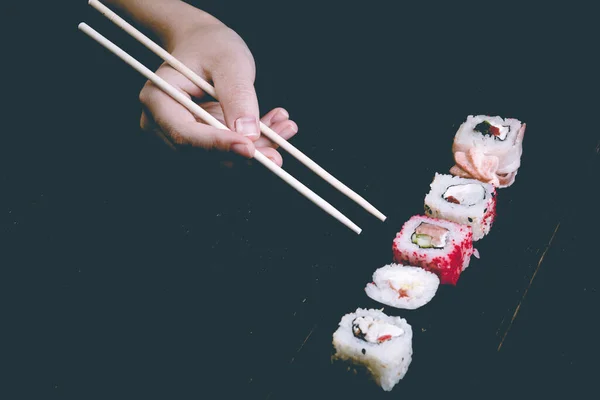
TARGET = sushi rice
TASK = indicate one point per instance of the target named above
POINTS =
(380, 343)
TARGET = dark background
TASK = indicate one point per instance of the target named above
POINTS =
(127, 271)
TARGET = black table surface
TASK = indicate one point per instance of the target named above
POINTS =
(129, 271)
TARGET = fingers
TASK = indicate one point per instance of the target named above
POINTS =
(285, 129)
(149, 125)
(181, 127)
(233, 77)
(275, 115)
(175, 124)
(272, 154)
(277, 119)
(214, 109)
(178, 80)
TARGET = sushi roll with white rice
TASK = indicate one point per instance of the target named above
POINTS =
(380, 343)
(488, 149)
(401, 286)
(440, 246)
(464, 201)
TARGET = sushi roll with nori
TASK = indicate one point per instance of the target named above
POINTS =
(380, 343)
(488, 149)
(440, 246)
(402, 286)
(464, 201)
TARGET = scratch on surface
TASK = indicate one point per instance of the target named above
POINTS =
(303, 343)
(528, 286)
(297, 351)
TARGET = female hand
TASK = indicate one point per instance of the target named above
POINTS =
(220, 56)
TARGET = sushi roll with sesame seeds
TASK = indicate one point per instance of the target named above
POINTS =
(402, 286)
(380, 343)
(442, 247)
(488, 149)
(464, 201)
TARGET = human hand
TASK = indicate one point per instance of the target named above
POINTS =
(217, 54)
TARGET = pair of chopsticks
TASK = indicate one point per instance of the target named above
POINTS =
(209, 119)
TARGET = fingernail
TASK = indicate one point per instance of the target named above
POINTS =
(247, 126)
(274, 160)
(283, 113)
(288, 130)
(243, 149)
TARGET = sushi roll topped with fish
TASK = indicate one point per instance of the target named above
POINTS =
(488, 149)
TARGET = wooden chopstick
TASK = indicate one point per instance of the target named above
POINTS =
(209, 119)
(208, 88)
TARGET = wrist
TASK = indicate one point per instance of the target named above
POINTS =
(169, 20)
(188, 20)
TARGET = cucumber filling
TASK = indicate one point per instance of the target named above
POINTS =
(428, 236)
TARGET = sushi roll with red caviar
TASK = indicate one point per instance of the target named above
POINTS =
(402, 286)
(464, 201)
(488, 149)
(442, 247)
(380, 343)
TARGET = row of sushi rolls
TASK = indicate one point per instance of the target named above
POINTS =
(433, 248)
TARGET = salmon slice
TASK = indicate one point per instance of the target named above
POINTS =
(437, 233)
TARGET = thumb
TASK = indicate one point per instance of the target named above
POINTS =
(234, 84)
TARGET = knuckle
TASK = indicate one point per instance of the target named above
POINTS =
(177, 138)
(225, 65)
(240, 93)
(218, 63)
(242, 87)
(145, 93)
(250, 60)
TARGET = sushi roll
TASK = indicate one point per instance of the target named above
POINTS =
(401, 286)
(464, 201)
(488, 149)
(380, 343)
(442, 247)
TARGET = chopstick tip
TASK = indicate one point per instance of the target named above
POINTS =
(380, 215)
